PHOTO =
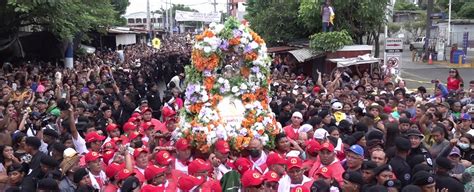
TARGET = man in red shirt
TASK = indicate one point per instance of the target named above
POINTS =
(97, 176)
(156, 180)
(276, 163)
(296, 177)
(252, 181)
(183, 155)
(200, 169)
(220, 159)
(141, 162)
(327, 159)
(111, 172)
(292, 129)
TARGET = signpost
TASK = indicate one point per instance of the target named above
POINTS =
(393, 56)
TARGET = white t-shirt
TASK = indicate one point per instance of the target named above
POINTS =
(80, 145)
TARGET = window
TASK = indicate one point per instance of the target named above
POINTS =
(144, 20)
(138, 20)
(131, 20)
(153, 20)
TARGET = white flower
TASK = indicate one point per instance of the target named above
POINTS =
(213, 25)
(248, 106)
(264, 138)
(218, 28)
(241, 27)
(220, 80)
(235, 89)
(197, 89)
(205, 98)
(243, 132)
(211, 137)
(243, 86)
(207, 49)
(253, 45)
(244, 40)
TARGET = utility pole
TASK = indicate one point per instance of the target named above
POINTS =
(171, 17)
(148, 20)
(449, 24)
(429, 10)
(215, 4)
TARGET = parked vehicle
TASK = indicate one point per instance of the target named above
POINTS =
(417, 44)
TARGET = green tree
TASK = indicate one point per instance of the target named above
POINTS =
(467, 11)
(64, 18)
(405, 5)
(276, 21)
(121, 7)
(358, 17)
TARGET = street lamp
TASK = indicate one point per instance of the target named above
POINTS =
(449, 24)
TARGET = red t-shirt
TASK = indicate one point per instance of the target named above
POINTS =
(453, 84)
(111, 188)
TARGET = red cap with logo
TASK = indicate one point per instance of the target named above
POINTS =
(109, 145)
(107, 156)
(300, 189)
(271, 176)
(327, 146)
(146, 109)
(128, 126)
(163, 158)
(113, 169)
(251, 178)
(94, 136)
(275, 158)
(294, 162)
(325, 172)
(312, 146)
(153, 170)
(182, 144)
(222, 146)
(133, 135)
(242, 165)
(135, 115)
(138, 151)
(111, 127)
(198, 165)
(188, 182)
(123, 174)
(92, 156)
(147, 125)
(168, 113)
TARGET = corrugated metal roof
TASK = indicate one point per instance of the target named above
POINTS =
(302, 55)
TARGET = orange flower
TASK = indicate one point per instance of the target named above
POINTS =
(196, 108)
(250, 56)
(234, 41)
(248, 98)
(261, 132)
(238, 142)
(202, 62)
(246, 141)
(215, 99)
(208, 33)
(245, 71)
(209, 83)
(256, 37)
(199, 37)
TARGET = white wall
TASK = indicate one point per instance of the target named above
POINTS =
(125, 39)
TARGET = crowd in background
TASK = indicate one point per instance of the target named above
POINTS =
(104, 126)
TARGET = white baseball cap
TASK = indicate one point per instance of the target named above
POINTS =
(320, 133)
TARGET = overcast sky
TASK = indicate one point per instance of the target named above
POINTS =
(203, 6)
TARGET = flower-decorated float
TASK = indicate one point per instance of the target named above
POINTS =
(227, 89)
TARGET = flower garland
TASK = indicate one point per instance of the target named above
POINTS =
(227, 60)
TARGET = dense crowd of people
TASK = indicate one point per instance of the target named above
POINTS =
(104, 126)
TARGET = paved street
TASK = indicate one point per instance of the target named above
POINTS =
(420, 74)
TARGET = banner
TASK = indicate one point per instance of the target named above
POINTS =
(196, 16)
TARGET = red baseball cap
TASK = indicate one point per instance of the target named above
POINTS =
(109, 145)
(144, 110)
(271, 176)
(111, 127)
(153, 170)
(107, 156)
(242, 165)
(182, 144)
(294, 162)
(138, 151)
(316, 89)
(147, 125)
(325, 172)
(275, 158)
(198, 165)
(134, 135)
(113, 169)
(300, 189)
(92, 156)
(128, 126)
(188, 182)
(163, 158)
(136, 115)
(251, 178)
(123, 174)
(167, 113)
(133, 119)
(94, 136)
(222, 146)
(328, 146)
(312, 146)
